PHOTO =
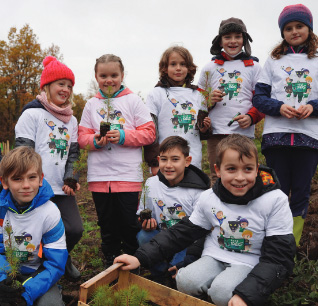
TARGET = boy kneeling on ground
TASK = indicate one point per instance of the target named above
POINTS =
(251, 248)
(34, 220)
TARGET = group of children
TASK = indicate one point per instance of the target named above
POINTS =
(234, 242)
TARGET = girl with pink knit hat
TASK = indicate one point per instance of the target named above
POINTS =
(47, 124)
(287, 93)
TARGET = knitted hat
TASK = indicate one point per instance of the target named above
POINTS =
(231, 25)
(296, 12)
(55, 70)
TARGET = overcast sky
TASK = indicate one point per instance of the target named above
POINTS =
(139, 31)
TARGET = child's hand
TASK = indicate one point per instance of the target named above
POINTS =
(149, 225)
(244, 121)
(100, 141)
(288, 111)
(69, 191)
(113, 136)
(174, 268)
(236, 301)
(217, 95)
(304, 111)
(206, 124)
(131, 262)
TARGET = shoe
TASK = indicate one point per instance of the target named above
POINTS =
(71, 272)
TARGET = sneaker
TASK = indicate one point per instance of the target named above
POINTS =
(71, 272)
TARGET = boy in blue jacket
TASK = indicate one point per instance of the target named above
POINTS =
(32, 225)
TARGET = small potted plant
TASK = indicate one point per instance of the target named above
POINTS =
(105, 125)
(146, 213)
(206, 104)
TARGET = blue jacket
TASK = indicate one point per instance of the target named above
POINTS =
(54, 260)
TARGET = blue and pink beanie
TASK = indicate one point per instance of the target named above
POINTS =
(296, 12)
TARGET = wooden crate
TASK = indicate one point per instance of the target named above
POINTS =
(158, 294)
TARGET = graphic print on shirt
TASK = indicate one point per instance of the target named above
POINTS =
(169, 215)
(230, 83)
(234, 235)
(115, 118)
(20, 243)
(183, 116)
(57, 141)
(297, 86)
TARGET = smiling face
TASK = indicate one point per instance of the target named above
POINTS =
(232, 43)
(109, 77)
(237, 175)
(295, 33)
(172, 164)
(177, 69)
(24, 187)
(60, 91)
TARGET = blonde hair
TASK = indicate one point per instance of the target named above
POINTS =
(106, 58)
(19, 161)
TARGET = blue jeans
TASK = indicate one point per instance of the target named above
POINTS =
(160, 268)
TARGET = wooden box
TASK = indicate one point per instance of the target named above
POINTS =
(158, 294)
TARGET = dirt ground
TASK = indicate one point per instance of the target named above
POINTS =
(308, 243)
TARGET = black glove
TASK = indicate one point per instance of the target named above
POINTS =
(9, 295)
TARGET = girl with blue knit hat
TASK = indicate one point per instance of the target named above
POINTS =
(287, 93)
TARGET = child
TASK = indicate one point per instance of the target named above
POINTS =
(114, 159)
(286, 94)
(236, 267)
(47, 125)
(171, 194)
(32, 225)
(175, 102)
(232, 75)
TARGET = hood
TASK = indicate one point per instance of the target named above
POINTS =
(45, 193)
(33, 104)
(266, 181)
(193, 178)
(124, 92)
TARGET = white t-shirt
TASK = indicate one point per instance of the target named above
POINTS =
(52, 139)
(115, 162)
(176, 109)
(168, 204)
(239, 230)
(293, 82)
(238, 82)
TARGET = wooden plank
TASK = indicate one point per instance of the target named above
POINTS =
(165, 296)
(103, 278)
(124, 279)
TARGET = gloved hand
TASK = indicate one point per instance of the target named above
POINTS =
(9, 295)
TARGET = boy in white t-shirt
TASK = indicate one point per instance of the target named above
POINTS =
(251, 248)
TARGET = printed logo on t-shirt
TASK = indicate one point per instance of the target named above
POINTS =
(169, 215)
(58, 140)
(183, 116)
(297, 86)
(234, 235)
(230, 83)
(115, 118)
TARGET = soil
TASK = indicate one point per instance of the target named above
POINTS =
(308, 242)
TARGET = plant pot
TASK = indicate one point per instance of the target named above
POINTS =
(201, 115)
(104, 128)
(70, 182)
(145, 215)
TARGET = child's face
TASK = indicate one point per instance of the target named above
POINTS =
(232, 43)
(60, 91)
(177, 68)
(25, 187)
(109, 77)
(237, 176)
(172, 164)
(295, 33)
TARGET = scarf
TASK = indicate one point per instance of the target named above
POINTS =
(62, 113)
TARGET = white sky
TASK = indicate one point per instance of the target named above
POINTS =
(139, 31)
